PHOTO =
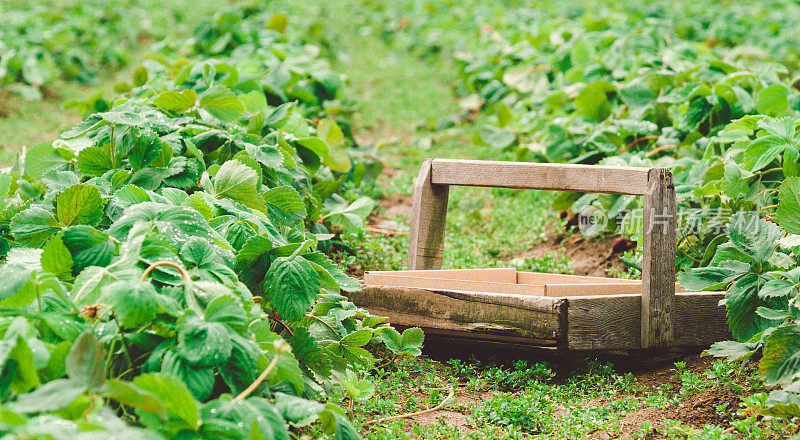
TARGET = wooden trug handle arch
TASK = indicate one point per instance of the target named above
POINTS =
(429, 212)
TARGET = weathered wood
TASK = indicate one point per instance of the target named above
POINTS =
(374, 279)
(700, 320)
(498, 275)
(470, 312)
(541, 176)
(602, 322)
(614, 322)
(658, 260)
(428, 214)
(554, 278)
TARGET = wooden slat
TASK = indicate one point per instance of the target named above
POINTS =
(541, 176)
(428, 214)
(570, 290)
(658, 260)
(497, 275)
(555, 278)
(700, 320)
(614, 322)
(473, 313)
(374, 279)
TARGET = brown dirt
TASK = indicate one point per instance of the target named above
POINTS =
(591, 256)
(7, 106)
(696, 410)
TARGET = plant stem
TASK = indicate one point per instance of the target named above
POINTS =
(184, 275)
(258, 380)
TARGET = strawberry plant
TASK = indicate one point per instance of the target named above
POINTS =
(44, 41)
(758, 265)
(163, 257)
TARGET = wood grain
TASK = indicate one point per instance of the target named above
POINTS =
(614, 322)
(428, 220)
(541, 176)
(658, 260)
(473, 313)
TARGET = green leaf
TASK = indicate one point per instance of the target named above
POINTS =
(496, 137)
(292, 287)
(33, 226)
(296, 410)
(173, 394)
(222, 104)
(79, 205)
(17, 288)
(199, 381)
(238, 182)
(773, 99)
(45, 157)
(788, 215)
(227, 310)
(145, 150)
(732, 350)
(742, 302)
(352, 216)
(88, 246)
(134, 304)
(592, 102)
(712, 277)
(278, 22)
(268, 155)
(131, 395)
(781, 360)
(140, 76)
(26, 377)
(175, 223)
(328, 130)
(754, 236)
(50, 396)
(84, 362)
(410, 342)
(95, 161)
(177, 102)
(57, 259)
(284, 204)
(123, 118)
(205, 344)
(762, 151)
(775, 288)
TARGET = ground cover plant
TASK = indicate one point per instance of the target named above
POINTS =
(165, 256)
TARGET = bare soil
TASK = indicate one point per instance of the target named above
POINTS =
(592, 256)
(7, 106)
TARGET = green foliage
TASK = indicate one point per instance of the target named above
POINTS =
(163, 256)
(759, 268)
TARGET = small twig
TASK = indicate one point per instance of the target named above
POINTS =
(378, 230)
(414, 414)
(258, 380)
(728, 430)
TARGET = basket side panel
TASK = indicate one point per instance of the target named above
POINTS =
(533, 320)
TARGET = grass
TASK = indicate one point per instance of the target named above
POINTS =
(525, 400)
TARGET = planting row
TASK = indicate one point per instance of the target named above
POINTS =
(164, 271)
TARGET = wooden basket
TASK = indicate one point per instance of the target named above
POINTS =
(547, 310)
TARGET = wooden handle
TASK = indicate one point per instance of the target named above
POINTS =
(429, 212)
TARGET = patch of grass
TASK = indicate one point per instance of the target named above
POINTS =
(524, 400)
